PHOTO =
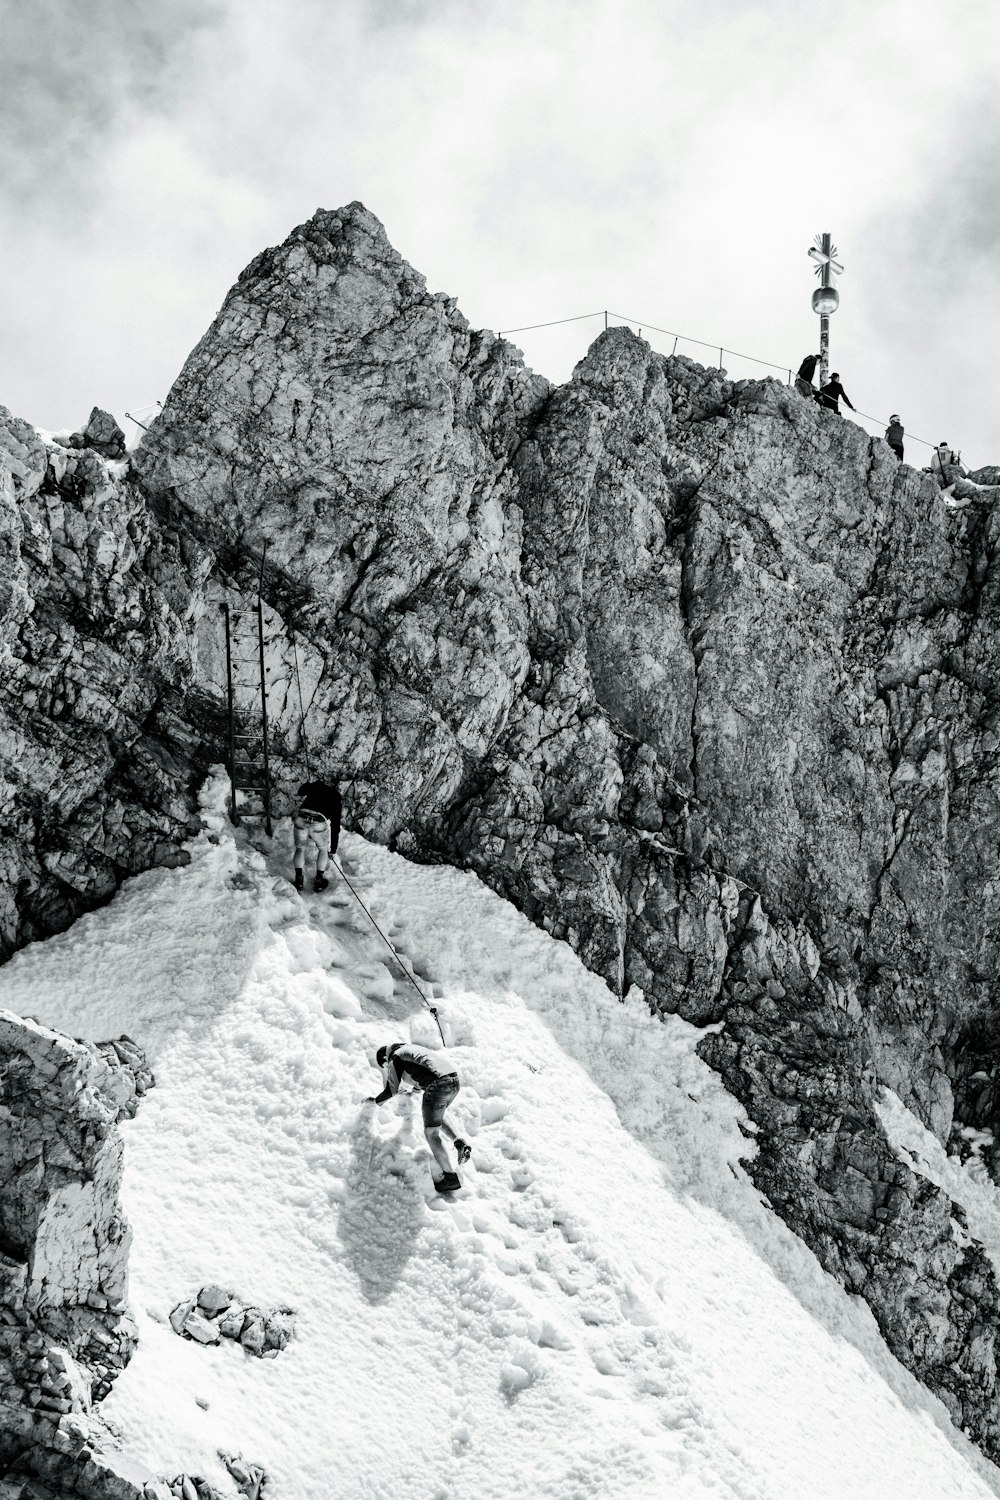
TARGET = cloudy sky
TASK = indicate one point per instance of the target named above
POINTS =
(670, 160)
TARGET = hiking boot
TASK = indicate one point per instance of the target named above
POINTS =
(320, 883)
(462, 1150)
(299, 881)
(449, 1183)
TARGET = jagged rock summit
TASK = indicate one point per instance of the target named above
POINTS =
(696, 674)
(351, 423)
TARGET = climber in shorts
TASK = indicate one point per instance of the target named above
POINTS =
(434, 1074)
(316, 822)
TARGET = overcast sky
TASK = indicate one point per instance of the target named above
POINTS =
(668, 159)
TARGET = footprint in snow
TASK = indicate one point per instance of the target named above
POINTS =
(521, 1178)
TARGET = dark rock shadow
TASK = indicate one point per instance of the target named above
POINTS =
(383, 1211)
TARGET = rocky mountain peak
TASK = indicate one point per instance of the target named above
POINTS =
(333, 243)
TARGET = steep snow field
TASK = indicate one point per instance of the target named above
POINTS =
(607, 1309)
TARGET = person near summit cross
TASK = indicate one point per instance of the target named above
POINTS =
(894, 436)
(316, 823)
(434, 1074)
(832, 393)
(945, 465)
(804, 379)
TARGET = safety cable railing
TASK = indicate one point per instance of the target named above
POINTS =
(686, 338)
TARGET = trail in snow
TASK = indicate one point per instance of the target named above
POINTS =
(607, 1310)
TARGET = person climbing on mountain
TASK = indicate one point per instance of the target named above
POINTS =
(434, 1074)
(317, 822)
(804, 379)
(894, 436)
(832, 393)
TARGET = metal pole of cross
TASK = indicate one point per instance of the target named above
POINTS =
(826, 298)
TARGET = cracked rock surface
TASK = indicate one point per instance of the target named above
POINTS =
(65, 1328)
(98, 764)
(696, 674)
(64, 1241)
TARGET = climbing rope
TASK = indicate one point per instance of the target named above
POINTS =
(527, 327)
(388, 943)
(302, 716)
(343, 875)
(703, 343)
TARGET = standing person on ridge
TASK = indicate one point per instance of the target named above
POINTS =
(894, 436)
(434, 1074)
(832, 393)
(804, 379)
(316, 822)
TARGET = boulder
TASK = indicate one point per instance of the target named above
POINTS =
(213, 1300)
(200, 1328)
(103, 434)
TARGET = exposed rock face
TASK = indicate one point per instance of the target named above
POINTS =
(698, 675)
(102, 434)
(63, 1239)
(97, 764)
(65, 1330)
(355, 425)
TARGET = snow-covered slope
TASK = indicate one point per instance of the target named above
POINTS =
(607, 1310)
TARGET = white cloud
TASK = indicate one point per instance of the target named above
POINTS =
(71, 78)
(671, 158)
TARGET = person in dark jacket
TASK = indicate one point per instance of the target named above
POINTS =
(894, 436)
(316, 822)
(832, 393)
(804, 379)
(434, 1074)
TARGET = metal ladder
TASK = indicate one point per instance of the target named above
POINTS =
(249, 751)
